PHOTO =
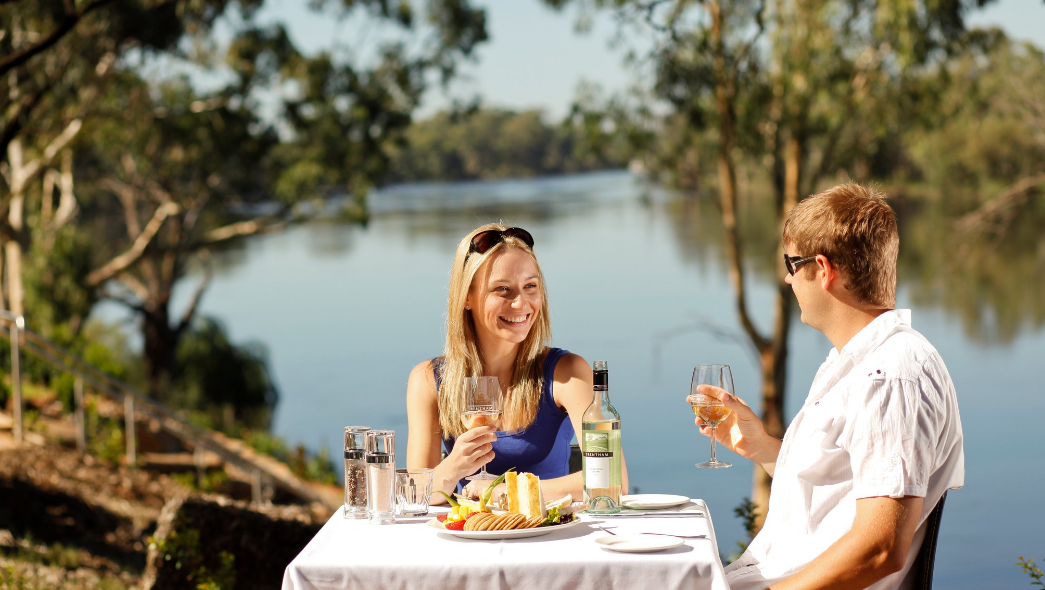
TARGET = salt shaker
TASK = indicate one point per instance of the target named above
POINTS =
(355, 471)
(380, 475)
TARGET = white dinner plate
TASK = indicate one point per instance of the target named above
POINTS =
(652, 501)
(512, 534)
(638, 543)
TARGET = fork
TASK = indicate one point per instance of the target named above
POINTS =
(605, 530)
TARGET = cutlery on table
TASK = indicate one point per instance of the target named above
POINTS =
(605, 530)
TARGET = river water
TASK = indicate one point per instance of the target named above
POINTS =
(636, 276)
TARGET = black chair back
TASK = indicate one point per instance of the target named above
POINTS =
(922, 570)
(576, 458)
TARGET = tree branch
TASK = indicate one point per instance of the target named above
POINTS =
(236, 230)
(125, 260)
(190, 312)
(126, 194)
(130, 303)
(64, 27)
(20, 178)
(1012, 197)
(16, 121)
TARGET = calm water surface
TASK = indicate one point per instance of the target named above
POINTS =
(635, 277)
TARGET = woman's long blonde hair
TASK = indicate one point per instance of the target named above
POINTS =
(462, 357)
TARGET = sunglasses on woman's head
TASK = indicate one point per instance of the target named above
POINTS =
(485, 240)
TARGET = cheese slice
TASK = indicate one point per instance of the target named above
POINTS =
(524, 494)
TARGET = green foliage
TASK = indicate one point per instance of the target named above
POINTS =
(54, 275)
(105, 440)
(55, 555)
(304, 463)
(181, 548)
(746, 511)
(212, 481)
(1031, 569)
(217, 376)
(980, 125)
(348, 115)
(993, 282)
(20, 572)
(12, 579)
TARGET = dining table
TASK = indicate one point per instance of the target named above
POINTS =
(664, 549)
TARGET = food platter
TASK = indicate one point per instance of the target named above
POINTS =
(510, 534)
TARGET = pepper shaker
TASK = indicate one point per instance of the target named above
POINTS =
(355, 471)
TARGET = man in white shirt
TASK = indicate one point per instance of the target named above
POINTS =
(877, 442)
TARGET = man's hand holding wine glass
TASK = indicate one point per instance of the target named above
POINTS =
(742, 431)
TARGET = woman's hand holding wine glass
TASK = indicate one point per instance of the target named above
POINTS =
(471, 451)
(483, 409)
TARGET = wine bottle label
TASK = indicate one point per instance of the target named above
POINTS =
(597, 455)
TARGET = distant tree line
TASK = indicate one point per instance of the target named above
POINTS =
(497, 143)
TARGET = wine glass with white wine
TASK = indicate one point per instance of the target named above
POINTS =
(483, 408)
(711, 410)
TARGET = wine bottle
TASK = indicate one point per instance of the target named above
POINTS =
(600, 447)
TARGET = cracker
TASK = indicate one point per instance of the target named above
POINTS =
(502, 522)
(515, 521)
(487, 524)
(472, 523)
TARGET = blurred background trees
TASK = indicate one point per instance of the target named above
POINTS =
(780, 98)
(121, 169)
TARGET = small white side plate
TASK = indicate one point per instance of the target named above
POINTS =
(638, 543)
(652, 501)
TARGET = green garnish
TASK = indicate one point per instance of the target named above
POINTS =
(453, 503)
(484, 498)
(553, 517)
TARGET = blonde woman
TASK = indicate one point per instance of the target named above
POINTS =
(498, 325)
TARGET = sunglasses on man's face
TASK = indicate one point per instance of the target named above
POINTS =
(793, 263)
(485, 240)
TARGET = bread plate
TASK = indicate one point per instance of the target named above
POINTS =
(652, 501)
(638, 543)
(509, 534)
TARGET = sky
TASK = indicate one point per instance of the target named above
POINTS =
(536, 59)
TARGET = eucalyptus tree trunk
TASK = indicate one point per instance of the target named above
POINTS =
(20, 172)
(773, 350)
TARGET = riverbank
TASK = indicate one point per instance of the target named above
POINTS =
(71, 521)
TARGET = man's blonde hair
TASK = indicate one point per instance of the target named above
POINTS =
(462, 358)
(854, 227)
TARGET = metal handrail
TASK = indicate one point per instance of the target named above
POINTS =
(134, 401)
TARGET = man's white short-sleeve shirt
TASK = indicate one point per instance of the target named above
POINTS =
(881, 419)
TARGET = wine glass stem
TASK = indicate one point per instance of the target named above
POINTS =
(713, 459)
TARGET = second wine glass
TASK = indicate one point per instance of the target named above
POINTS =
(483, 408)
(710, 409)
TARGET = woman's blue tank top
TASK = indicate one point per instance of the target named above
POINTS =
(543, 448)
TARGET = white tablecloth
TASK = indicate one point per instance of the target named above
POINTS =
(409, 555)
